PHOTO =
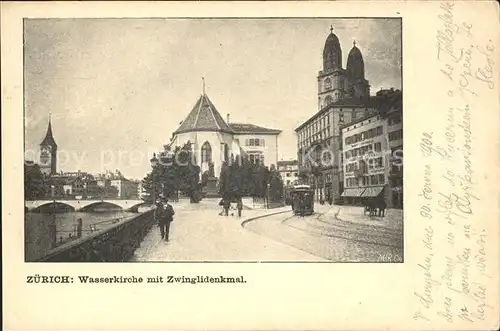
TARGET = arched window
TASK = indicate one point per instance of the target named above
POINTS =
(206, 152)
(328, 100)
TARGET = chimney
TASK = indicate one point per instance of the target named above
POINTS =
(227, 118)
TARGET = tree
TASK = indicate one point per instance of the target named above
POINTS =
(276, 186)
(175, 171)
(35, 184)
(147, 184)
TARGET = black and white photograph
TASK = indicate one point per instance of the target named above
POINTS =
(213, 140)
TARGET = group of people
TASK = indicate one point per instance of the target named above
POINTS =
(375, 207)
(225, 203)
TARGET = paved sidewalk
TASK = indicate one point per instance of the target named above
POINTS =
(198, 233)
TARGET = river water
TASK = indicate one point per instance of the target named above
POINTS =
(39, 228)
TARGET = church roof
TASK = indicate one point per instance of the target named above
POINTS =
(242, 128)
(355, 63)
(332, 53)
(49, 138)
(203, 117)
(332, 42)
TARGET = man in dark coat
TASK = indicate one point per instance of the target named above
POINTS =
(164, 214)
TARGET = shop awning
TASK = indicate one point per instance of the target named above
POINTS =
(353, 192)
(372, 191)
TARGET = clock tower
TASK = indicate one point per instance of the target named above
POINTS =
(48, 153)
(332, 80)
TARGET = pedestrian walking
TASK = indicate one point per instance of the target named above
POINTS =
(164, 215)
(227, 205)
(221, 204)
(239, 206)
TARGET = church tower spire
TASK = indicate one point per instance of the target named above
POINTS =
(332, 80)
(48, 151)
(358, 85)
(332, 53)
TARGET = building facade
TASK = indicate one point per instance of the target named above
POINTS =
(258, 143)
(289, 172)
(395, 138)
(215, 141)
(372, 154)
(127, 189)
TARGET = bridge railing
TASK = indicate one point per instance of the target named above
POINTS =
(115, 243)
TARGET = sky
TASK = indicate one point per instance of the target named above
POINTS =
(116, 89)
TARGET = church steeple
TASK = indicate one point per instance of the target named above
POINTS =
(332, 53)
(355, 64)
(48, 152)
(49, 137)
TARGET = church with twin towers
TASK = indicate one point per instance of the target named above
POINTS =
(336, 83)
(343, 98)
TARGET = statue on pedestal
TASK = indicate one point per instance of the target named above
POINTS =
(211, 172)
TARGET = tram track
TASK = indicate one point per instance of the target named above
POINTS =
(367, 234)
(362, 233)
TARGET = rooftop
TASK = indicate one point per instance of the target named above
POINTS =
(251, 128)
(203, 117)
(382, 102)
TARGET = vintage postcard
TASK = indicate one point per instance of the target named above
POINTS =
(229, 165)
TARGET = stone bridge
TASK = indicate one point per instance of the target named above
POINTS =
(84, 205)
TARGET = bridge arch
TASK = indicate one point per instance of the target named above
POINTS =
(95, 205)
(50, 206)
(135, 208)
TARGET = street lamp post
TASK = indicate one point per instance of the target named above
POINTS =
(154, 164)
(268, 194)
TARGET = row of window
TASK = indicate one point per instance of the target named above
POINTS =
(318, 136)
(289, 174)
(365, 181)
(370, 164)
(395, 135)
(255, 142)
(320, 128)
(320, 125)
(377, 147)
(368, 134)
(256, 158)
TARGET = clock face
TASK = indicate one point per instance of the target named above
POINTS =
(45, 159)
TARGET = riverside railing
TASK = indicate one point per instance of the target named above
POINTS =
(115, 243)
